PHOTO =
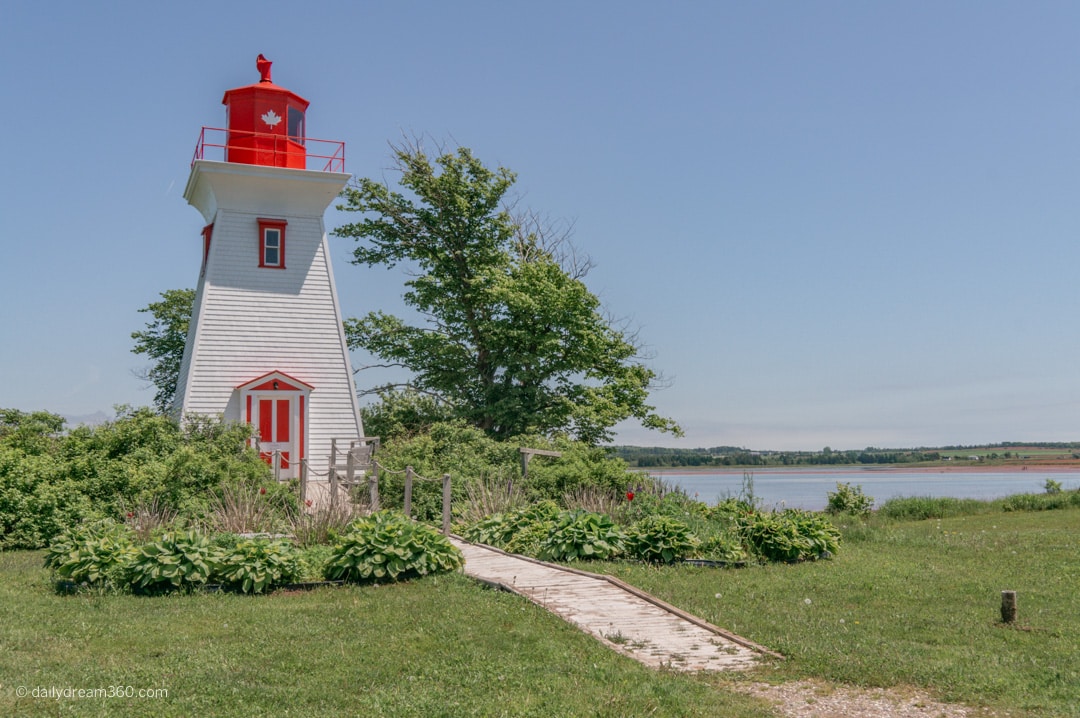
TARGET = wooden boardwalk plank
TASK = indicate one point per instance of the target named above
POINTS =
(625, 618)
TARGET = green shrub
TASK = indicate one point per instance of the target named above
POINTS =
(178, 560)
(50, 481)
(256, 565)
(94, 553)
(501, 530)
(389, 545)
(848, 499)
(582, 535)
(792, 535)
(722, 546)
(1052, 487)
(660, 539)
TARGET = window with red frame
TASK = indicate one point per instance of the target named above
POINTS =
(272, 243)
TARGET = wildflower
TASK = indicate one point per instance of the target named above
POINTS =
(308, 503)
(629, 495)
(130, 515)
(807, 601)
(262, 490)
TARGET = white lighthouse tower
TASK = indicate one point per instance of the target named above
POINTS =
(266, 344)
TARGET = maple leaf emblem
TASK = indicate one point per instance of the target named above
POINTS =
(271, 118)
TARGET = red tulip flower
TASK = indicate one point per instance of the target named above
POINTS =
(629, 495)
(262, 490)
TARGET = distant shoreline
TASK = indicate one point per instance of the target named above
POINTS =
(965, 468)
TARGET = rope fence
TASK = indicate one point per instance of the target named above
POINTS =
(360, 468)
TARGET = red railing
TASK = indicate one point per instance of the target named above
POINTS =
(273, 150)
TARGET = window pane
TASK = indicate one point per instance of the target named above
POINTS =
(296, 125)
(270, 257)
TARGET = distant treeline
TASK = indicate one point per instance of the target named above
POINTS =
(653, 456)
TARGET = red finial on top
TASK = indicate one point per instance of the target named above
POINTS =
(264, 68)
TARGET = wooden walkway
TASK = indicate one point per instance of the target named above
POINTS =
(624, 618)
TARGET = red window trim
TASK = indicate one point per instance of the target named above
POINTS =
(279, 225)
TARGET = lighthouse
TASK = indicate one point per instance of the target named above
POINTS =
(266, 344)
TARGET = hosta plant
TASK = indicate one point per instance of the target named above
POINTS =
(792, 535)
(500, 530)
(388, 545)
(660, 539)
(177, 560)
(255, 565)
(93, 553)
(582, 534)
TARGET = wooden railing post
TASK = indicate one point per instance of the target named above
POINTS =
(303, 482)
(373, 486)
(332, 474)
(446, 504)
(408, 491)
(277, 467)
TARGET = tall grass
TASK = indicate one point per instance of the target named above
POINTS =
(917, 508)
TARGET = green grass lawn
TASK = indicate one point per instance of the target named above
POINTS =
(913, 604)
(902, 604)
(434, 647)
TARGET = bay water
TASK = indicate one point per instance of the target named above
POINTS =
(808, 489)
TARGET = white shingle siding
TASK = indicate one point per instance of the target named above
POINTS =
(250, 320)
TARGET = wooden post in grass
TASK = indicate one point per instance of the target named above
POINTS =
(1008, 606)
(446, 504)
(408, 491)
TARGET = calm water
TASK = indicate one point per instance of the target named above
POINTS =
(808, 489)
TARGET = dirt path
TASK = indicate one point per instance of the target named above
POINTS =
(812, 699)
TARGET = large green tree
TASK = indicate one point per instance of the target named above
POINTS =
(163, 341)
(513, 341)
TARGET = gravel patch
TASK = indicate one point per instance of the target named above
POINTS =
(809, 699)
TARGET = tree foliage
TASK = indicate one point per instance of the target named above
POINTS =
(512, 341)
(163, 342)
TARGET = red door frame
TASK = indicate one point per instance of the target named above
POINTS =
(276, 404)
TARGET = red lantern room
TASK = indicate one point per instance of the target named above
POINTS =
(265, 123)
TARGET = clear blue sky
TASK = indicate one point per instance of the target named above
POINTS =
(835, 223)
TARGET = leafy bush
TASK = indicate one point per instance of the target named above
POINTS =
(581, 534)
(255, 565)
(792, 535)
(722, 546)
(660, 539)
(389, 545)
(501, 530)
(94, 553)
(848, 499)
(1052, 487)
(178, 560)
(50, 480)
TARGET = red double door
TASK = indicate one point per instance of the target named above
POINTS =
(276, 418)
(276, 405)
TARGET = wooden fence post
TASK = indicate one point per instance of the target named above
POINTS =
(1008, 606)
(303, 482)
(277, 467)
(373, 487)
(446, 504)
(408, 491)
(332, 474)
